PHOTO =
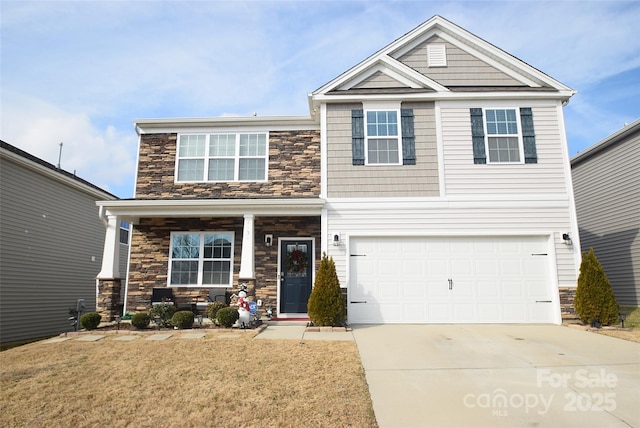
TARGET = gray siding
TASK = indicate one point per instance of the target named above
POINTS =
(49, 233)
(346, 180)
(379, 80)
(607, 192)
(462, 68)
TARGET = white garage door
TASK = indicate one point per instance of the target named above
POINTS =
(447, 280)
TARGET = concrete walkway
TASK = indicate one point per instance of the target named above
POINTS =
(297, 330)
(499, 376)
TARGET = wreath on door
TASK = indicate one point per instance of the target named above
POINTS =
(296, 261)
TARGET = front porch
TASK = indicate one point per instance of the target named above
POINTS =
(260, 242)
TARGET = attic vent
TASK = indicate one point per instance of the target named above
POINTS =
(437, 55)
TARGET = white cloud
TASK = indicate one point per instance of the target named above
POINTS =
(104, 157)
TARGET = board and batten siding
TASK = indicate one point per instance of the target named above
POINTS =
(51, 243)
(462, 177)
(607, 192)
(463, 69)
(346, 180)
(442, 217)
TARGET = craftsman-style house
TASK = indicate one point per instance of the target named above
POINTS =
(435, 173)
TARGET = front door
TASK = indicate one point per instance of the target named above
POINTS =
(296, 262)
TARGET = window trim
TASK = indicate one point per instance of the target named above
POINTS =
(201, 258)
(487, 136)
(123, 231)
(395, 109)
(236, 157)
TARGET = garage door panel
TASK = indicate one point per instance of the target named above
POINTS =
(494, 279)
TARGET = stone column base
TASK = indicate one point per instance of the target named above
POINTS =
(108, 298)
(567, 308)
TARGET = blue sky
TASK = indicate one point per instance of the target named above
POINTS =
(80, 72)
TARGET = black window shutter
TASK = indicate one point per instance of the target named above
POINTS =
(408, 137)
(477, 136)
(528, 135)
(357, 137)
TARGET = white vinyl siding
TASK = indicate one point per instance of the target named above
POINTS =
(462, 177)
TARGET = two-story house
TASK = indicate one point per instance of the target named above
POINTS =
(435, 173)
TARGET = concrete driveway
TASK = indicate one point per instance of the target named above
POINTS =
(499, 376)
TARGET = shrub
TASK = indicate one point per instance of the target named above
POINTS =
(213, 308)
(165, 311)
(595, 301)
(90, 320)
(182, 319)
(140, 320)
(227, 316)
(326, 306)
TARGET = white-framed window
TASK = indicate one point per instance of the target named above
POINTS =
(124, 232)
(504, 139)
(222, 157)
(382, 137)
(201, 259)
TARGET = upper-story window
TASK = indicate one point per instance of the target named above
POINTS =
(382, 138)
(222, 157)
(507, 134)
(503, 137)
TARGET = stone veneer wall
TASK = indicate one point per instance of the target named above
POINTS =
(150, 243)
(294, 170)
(567, 308)
(108, 302)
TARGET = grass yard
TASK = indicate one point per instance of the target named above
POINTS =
(631, 324)
(216, 381)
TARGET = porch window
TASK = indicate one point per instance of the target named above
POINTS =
(222, 157)
(201, 259)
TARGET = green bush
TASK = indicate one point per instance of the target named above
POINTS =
(140, 320)
(90, 320)
(227, 316)
(595, 301)
(182, 319)
(213, 308)
(326, 306)
(165, 311)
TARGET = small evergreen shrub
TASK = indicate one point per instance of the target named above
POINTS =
(140, 320)
(213, 308)
(165, 311)
(182, 319)
(90, 320)
(595, 301)
(325, 306)
(227, 316)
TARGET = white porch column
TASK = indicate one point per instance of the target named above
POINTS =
(111, 253)
(247, 261)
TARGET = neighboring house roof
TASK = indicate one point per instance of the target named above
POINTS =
(412, 83)
(50, 170)
(612, 139)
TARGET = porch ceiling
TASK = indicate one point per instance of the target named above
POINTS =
(131, 210)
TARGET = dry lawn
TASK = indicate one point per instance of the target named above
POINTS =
(215, 381)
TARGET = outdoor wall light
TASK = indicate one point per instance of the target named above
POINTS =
(623, 317)
(336, 239)
(567, 239)
(268, 240)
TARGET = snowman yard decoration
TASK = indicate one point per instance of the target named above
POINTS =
(244, 316)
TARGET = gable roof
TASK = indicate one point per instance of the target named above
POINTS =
(45, 168)
(393, 64)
